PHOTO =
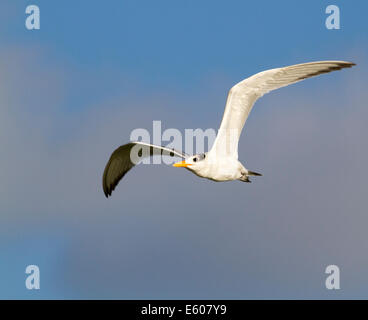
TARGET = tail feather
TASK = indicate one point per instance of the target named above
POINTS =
(252, 173)
(244, 179)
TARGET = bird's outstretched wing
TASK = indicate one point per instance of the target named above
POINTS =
(126, 157)
(243, 95)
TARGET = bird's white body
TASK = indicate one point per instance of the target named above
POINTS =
(221, 162)
(219, 169)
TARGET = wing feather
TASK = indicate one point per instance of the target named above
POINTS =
(244, 94)
(123, 159)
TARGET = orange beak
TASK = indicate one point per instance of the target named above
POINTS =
(181, 164)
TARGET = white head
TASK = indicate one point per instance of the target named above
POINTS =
(194, 163)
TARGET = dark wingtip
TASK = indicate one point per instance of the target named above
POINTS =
(348, 64)
(105, 192)
(106, 189)
(338, 66)
(104, 186)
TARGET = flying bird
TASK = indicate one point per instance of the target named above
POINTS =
(221, 162)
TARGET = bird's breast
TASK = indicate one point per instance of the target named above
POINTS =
(221, 170)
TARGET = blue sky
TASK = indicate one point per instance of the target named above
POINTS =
(74, 90)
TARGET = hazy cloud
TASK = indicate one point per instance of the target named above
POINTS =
(165, 232)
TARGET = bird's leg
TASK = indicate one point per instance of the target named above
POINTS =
(244, 178)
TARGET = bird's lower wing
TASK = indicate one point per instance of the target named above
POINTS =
(243, 95)
(126, 157)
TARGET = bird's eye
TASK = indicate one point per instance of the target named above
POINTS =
(195, 159)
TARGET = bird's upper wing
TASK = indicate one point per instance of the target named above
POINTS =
(243, 95)
(126, 157)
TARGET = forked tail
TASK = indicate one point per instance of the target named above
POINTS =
(252, 173)
(245, 177)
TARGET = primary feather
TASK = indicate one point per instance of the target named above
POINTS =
(244, 94)
(121, 161)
